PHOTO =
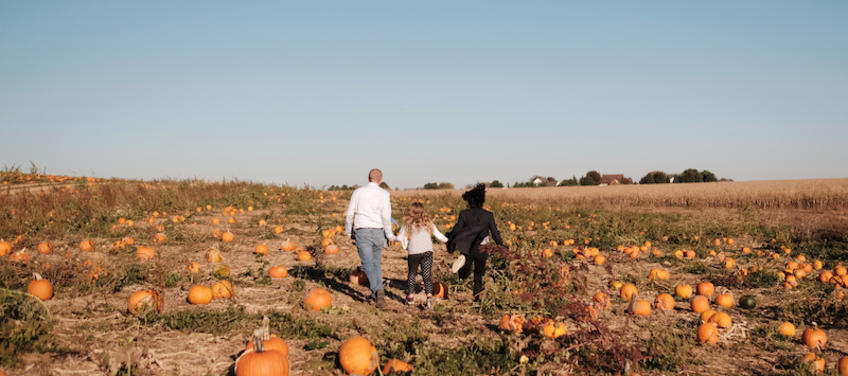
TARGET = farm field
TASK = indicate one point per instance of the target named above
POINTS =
(619, 268)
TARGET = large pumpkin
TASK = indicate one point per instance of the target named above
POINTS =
(41, 288)
(199, 294)
(273, 343)
(628, 290)
(262, 362)
(358, 356)
(222, 290)
(708, 333)
(317, 299)
(278, 271)
(144, 300)
(814, 337)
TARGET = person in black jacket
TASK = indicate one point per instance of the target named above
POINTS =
(474, 225)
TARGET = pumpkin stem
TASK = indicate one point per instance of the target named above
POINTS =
(261, 335)
(37, 276)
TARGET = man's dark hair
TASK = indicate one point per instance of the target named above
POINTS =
(476, 196)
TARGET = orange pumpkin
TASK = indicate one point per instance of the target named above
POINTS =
(397, 366)
(786, 329)
(641, 308)
(278, 272)
(440, 290)
(816, 363)
(44, 248)
(86, 246)
(706, 289)
(159, 238)
(317, 299)
(683, 290)
(227, 237)
(5, 248)
(19, 256)
(628, 290)
(842, 367)
(199, 294)
(193, 267)
(331, 249)
(512, 323)
(602, 300)
(304, 256)
(358, 356)
(278, 229)
(273, 343)
(721, 319)
(664, 302)
(287, 246)
(260, 361)
(261, 249)
(700, 304)
(145, 253)
(724, 300)
(213, 256)
(143, 300)
(41, 288)
(222, 290)
(814, 337)
(554, 329)
(708, 333)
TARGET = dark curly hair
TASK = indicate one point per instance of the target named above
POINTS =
(476, 196)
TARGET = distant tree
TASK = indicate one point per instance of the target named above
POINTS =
(689, 175)
(626, 181)
(444, 185)
(569, 182)
(550, 181)
(432, 185)
(591, 178)
(707, 176)
(384, 185)
(496, 184)
(654, 177)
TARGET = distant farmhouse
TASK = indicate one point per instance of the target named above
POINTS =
(612, 179)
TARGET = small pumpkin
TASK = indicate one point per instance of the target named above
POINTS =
(304, 256)
(700, 304)
(724, 300)
(221, 271)
(159, 238)
(5, 248)
(664, 302)
(641, 308)
(278, 272)
(213, 256)
(628, 290)
(554, 329)
(358, 356)
(842, 367)
(86, 246)
(331, 249)
(261, 249)
(397, 366)
(44, 248)
(40, 287)
(227, 237)
(278, 230)
(143, 300)
(814, 337)
(287, 246)
(512, 323)
(222, 290)
(602, 300)
(706, 289)
(145, 253)
(786, 329)
(317, 299)
(721, 319)
(19, 256)
(199, 294)
(816, 363)
(683, 290)
(193, 267)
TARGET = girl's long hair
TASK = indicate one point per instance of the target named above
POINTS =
(417, 218)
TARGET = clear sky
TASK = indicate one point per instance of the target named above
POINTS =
(318, 92)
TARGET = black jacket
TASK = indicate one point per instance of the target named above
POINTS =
(471, 228)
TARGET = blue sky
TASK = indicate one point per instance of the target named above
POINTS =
(318, 92)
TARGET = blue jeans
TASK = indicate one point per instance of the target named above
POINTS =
(370, 243)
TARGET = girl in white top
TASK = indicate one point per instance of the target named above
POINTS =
(416, 237)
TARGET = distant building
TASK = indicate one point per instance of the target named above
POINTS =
(538, 181)
(612, 179)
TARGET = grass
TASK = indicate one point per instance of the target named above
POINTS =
(25, 326)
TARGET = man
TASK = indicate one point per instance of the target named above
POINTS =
(368, 221)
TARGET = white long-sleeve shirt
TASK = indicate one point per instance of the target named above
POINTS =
(370, 207)
(419, 241)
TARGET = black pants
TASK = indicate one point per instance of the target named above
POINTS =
(479, 260)
(426, 261)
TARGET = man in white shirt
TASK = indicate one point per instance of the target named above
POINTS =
(368, 221)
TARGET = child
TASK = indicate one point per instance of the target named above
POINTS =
(415, 237)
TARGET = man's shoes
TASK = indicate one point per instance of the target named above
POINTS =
(458, 264)
(380, 299)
